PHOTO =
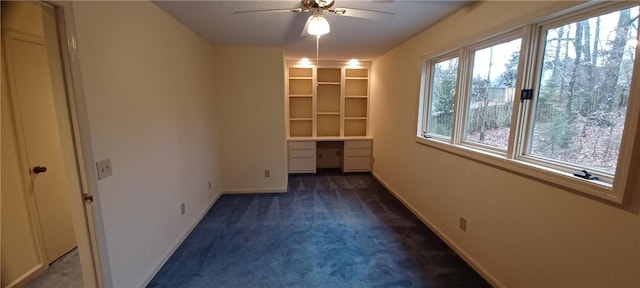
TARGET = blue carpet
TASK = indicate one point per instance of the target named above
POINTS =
(329, 230)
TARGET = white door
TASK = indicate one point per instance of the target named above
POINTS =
(32, 94)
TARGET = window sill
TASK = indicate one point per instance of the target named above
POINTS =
(599, 189)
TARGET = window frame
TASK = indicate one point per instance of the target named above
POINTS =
(425, 102)
(540, 31)
(465, 90)
(515, 159)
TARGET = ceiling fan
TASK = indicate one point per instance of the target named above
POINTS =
(317, 24)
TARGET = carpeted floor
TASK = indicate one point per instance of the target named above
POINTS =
(329, 230)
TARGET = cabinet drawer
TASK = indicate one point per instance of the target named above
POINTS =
(357, 144)
(361, 152)
(302, 153)
(302, 145)
(357, 164)
(302, 164)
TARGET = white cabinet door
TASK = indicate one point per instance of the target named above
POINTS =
(357, 164)
(302, 156)
(302, 165)
(350, 144)
(357, 156)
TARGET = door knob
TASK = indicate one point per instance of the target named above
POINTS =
(88, 199)
(39, 169)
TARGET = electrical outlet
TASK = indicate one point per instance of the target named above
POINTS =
(104, 168)
(463, 224)
(267, 173)
(182, 209)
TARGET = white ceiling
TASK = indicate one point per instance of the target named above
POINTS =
(350, 37)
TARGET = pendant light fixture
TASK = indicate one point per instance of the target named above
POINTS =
(318, 25)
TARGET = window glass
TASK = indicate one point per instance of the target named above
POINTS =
(584, 90)
(442, 92)
(490, 101)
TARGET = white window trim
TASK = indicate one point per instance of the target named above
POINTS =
(515, 160)
(545, 174)
(425, 89)
(465, 85)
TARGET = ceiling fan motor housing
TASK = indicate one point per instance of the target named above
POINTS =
(324, 4)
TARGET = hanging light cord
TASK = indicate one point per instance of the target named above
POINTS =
(317, 50)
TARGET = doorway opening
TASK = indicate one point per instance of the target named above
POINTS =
(45, 222)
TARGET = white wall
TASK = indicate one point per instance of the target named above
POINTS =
(148, 85)
(521, 232)
(250, 91)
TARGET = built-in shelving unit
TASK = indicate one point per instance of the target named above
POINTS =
(300, 102)
(327, 108)
(356, 102)
(327, 101)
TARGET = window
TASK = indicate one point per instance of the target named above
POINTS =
(549, 100)
(491, 94)
(583, 90)
(442, 91)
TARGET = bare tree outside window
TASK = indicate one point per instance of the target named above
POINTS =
(490, 101)
(584, 90)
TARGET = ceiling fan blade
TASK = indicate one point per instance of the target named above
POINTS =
(305, 30)
(361, 13)
(295, 10)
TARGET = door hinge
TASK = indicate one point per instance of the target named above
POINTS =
(526, 94)
(88, 199)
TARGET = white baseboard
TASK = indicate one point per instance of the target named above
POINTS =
(181, 239)
(28, 276)
(255, 190)
(464, 255)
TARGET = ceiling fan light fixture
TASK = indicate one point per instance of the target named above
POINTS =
(318, 25)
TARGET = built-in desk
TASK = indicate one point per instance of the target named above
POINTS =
(350, 154)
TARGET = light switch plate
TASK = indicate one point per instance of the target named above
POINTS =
(104, 168)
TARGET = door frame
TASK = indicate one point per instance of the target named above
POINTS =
(86, 216)
(70, 109)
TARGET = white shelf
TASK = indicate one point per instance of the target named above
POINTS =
(327, 102)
